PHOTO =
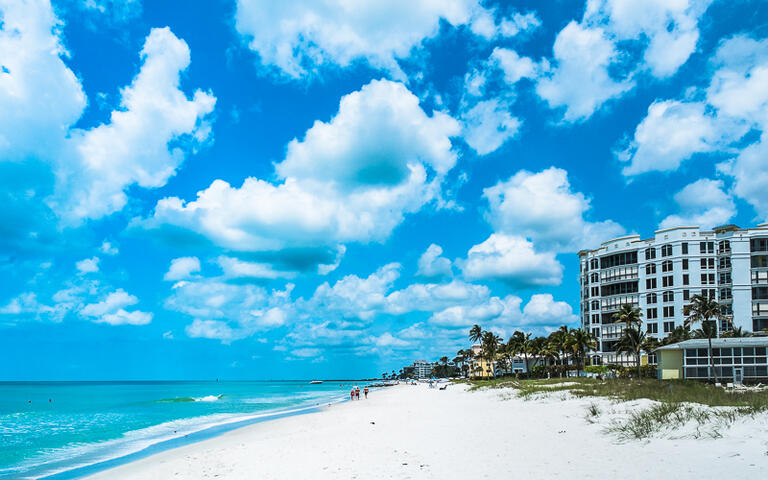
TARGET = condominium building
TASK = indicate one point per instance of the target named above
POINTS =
(423, 368)
(660, 275)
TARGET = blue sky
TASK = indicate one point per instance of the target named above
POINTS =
(254, 189)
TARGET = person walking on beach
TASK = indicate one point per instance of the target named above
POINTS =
(352, 394)
(357, 392)
(365, 391)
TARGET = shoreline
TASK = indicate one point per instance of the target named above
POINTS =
(191, 438)
(416, 432)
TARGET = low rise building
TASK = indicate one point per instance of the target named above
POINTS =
(735, 360)
(423, 368)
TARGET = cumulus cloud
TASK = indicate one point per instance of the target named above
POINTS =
(433, 264)
(351, 179)
(704, 203)
(580, 80)
(111, 310)
(511, 259)
(38, 109)
(92, 167)
(670, 133)
(236, 268)
(542, 309)
(299, 38)
(88, 265)
(734, 103)
(668, 29)
(226, 311)
(488, 125)
(133, 148)
(513, 65)
(182, 268)
(543, 207)
(107, 248)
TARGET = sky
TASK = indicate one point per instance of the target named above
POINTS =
(260, 189)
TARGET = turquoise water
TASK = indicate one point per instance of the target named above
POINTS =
(49, 427)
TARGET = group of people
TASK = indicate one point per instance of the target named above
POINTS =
(354, 394)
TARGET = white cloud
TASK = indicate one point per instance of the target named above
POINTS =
(108, 248)
(182, 268)
(236, 268)
(111, 310)
(511, 259)
(750, 173)
(226, 311)
(352, 179)
(134, 147)
(352, 296)
(518, 23)
(670, 133)
(88, 265)
(39, 96)
(580, 80)
(541, 206)
(349, 152)
(488, 125)
(432, 264)
(430, 297)
(670, 28)
(92, 167)
(299, 38)
(542, 309)
(513, 65)
(703, 203)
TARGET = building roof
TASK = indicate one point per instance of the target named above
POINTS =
(718, 343)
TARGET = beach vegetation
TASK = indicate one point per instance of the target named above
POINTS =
(707, 312)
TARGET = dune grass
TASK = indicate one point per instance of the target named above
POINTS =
(676, 408)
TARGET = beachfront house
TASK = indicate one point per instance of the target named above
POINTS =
(736, 360)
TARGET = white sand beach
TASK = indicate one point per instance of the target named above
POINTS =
(420, 433)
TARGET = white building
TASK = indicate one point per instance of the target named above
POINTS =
(660, 274)
(423, 368)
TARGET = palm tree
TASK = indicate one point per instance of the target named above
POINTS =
(707, 311)
(737, 332)
(490, 344)
(560, 339)
(582, 341)
(628, 315)
(475, 334)
(679, 334)
(444, 361)
(631, 342)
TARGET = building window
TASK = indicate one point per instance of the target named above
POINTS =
(669, 326)
(595, 305)
(724, 247)
(593, 264)
(707, 247)
(686, 279)
(684, 245)
(725, 263)
(595, 291)
(650, 253)
(725, 278)
(650, 269)
(595, 332)
(652, 328)
(759, 244)
(760, 276)
(667, 281)
(650, 283)
(686, 294)
(650, 299)
(709, 293)
(651, 313)
(595, 318)
(669, 312)
(666, 266)
(707, 263)
(594, 278)
(707, 278)
(759, 261)
(666, 250)
(726, 294)
(668, 296)
(685, 264)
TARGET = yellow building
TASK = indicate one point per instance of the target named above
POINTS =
(481, 368)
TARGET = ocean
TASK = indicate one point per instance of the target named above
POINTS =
(51, 427)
